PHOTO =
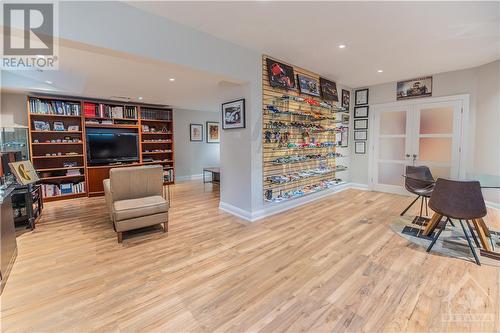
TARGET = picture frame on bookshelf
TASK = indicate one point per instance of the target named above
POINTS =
(196, 132)
(361, 111)
(74, 128)
(58, 126)
(345, 118)
(213, 132)
(233, 114)
(41, 125)
(361, 97)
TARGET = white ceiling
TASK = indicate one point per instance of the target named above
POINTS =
(404, 39)
(99, 73)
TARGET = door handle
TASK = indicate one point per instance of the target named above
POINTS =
(414, 156)
(407, 155)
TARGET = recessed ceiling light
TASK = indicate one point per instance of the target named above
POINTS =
(379, 71)
(171, 79)
(139, 98)
(48, 82)
(342, 46)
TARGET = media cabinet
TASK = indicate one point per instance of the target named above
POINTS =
(58, 147)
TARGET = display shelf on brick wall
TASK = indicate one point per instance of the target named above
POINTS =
(300, 141)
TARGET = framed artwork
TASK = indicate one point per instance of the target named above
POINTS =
(328, 90)
(344, 138)
(213, 132)
(308, 85)
(361, 135)
(360, 147)
(196, 132)
(233, 114)
(415, 88)
(345, 118)
(41, 125)
(280, 75)
(76, 128)
(361, 111)
(58, 126)
(346, 99)
(360, 124)
(361, 97)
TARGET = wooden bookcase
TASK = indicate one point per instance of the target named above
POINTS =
(60, 156)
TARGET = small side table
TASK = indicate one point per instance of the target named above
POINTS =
(215, 172)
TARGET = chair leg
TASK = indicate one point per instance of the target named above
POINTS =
(165, 226)
(426, 207)
(406, 209)
(120, 236)
(437, 236)
(472, 233)
(421, 208)
(470, 244)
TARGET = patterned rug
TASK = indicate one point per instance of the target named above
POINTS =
(451, 242)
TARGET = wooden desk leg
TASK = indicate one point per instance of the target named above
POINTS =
(481, 223)
(482, 234)
(436, 218)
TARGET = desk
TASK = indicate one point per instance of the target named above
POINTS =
(215, 175)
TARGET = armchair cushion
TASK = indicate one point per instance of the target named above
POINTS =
(132, 208)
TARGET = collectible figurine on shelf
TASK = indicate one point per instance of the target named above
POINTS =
(268, 136)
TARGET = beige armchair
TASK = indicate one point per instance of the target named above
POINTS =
(134, 198)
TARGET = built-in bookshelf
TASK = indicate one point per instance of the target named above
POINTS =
(300, 142)
(57, 147)
(58, 128)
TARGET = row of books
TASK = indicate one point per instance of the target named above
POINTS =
(156, 114)
(92, 110)
(39, 106)
(52, 190)
(168, 175)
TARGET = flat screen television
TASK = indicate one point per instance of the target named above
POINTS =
(111, 146)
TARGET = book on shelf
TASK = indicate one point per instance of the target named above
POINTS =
(156, 114)
(54, 107)
(52, 190)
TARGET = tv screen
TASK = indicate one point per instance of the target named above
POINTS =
(112, 146)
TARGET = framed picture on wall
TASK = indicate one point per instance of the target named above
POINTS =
(414, 88)
(346, 99)
(361, 135)
(233, 114)
(344, 141)
(213, 132)
(361, 111)
(328, 90)
(361, 97)
(196, 132)
(345, 118)
(308, 85)
(280, 75)
(360, 124)
(360, 147)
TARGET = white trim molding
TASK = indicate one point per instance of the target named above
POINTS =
(189, 177)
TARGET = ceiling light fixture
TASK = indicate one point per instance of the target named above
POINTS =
(379, 71)
(342, 46)
(171, 79)
(49, 82)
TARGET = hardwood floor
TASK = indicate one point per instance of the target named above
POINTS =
(330, 266)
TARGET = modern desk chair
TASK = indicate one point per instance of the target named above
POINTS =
(461, 200)
(419, 181)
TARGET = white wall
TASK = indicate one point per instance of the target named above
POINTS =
(482, 83)
(13, 111)
(191, 157)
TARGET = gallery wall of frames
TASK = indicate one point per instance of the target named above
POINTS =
(304, 124)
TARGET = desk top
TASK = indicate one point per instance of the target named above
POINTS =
(213, 170)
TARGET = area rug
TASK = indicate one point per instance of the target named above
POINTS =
(451, 242)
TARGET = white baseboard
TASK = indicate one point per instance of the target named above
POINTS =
(241, 213)
(190, 177)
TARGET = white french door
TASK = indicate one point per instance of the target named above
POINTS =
(415, 133)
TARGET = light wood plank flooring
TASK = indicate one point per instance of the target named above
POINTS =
(330, 266)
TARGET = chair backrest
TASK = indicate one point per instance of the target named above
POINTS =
(458, 199)
(418, 177)
(136, 182)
